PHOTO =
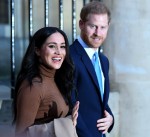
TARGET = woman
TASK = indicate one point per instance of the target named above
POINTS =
(45, 81)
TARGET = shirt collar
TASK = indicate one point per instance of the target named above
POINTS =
(89, 51)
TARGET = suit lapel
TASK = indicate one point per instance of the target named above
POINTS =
(102, 65)
(87, 62)
(104, 69)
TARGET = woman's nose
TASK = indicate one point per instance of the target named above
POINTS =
(57, 50)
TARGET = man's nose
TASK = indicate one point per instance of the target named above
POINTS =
(98, 31)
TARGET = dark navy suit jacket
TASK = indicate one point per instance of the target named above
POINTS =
(91, 106)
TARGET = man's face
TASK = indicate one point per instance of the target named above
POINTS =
(94, 30)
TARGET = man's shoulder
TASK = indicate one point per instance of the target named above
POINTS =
(104, 59)
(102, 55)
(74, 43)
(73, 47)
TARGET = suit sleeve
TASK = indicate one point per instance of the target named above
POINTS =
(110, 112)
(81, 128)
(108, 89)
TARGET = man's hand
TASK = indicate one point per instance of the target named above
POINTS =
(104, 123)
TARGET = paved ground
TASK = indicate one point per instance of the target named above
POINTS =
(6, 128)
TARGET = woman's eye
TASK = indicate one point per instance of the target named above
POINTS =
(51, 46)
(63, 46)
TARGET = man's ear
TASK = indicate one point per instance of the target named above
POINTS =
(81, 24)
(37, 51)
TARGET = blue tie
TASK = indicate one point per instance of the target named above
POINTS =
(98, 72)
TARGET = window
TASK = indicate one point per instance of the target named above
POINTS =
(4, 12)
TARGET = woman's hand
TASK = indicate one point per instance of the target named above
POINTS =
(75, 113)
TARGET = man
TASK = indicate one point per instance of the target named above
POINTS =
(95, 117)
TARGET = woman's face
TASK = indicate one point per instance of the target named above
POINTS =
(53, 51)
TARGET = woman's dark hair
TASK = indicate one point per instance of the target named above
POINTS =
(30, 66)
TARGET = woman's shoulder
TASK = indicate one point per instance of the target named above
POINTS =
(35, 88)
(36, 82)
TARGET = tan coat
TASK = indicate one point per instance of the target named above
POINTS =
(61, 127)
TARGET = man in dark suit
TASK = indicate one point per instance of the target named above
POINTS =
(95, 117)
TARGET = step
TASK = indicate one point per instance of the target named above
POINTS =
(6, 111)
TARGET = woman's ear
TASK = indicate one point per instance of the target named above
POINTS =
(37, 51)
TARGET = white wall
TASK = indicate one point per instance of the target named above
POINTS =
(128, 50)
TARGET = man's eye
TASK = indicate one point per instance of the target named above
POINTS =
(104, 27)
(92, 26)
